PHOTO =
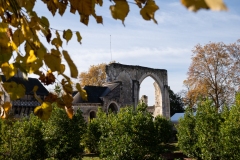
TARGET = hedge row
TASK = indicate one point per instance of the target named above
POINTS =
(210, 133)
(129, 134)
(31, 138)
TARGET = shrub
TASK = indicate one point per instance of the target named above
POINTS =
(22, 139)
(211, 134)
(91, 137)
(164, 129)
(207, 129)
(63, 135)
(187, 138)
(230, 133)
(129, 134)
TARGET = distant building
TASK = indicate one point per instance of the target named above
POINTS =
(25, 105)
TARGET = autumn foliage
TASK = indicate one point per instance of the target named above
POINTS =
(213, 73)
(95, 76)
(20, 26)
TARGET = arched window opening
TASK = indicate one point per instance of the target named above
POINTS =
(92, 115)
(147, 91)
(112, 108)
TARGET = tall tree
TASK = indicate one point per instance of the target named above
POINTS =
(176, 103)
(213, 73)
(95, 76)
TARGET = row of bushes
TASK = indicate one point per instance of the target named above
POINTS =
(210, 133)
(129, 134)
(31, 138)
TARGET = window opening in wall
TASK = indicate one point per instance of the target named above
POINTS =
(112, 108)
(92, 115)
(147, 90)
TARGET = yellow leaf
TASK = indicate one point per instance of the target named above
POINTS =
(34, 66)
(26, 31)
(15, 20)
(82, 92)
(53, 61)
(62, 68)
(69, 112)
(34, 20)
(67, 87)
(13, 46)
(84, 7)
(3, 36)
(195, 5)
(149, 10)
(67, 99)
(216, 5)
(44, 26)
(44, 111)
(2, 113)
(62, 7)
(120, 10)
(100, 2)
(31, 58)
(55, 52)
(99, 19)
(18, 37)
(50, 78)
(29, 4)
(52, 98)
(57, 41)
(72, 66)
(79, 38)
(60, 103)
(35, 88)
(5, 55)
(67, 35)
(140, 2)
(41, 52)
(4, 109)
(44, 22)
(14, 90)
(3, 27)
(84, 19)
(2, 10)
(52, 6)
(7, 106)
(8, 70)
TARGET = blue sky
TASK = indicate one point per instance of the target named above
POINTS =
(166, 45)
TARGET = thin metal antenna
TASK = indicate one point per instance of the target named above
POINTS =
(111, 47)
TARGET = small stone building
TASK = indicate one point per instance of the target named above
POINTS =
(122, 89)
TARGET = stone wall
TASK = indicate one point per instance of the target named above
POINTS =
(132, 77)
(86, 109)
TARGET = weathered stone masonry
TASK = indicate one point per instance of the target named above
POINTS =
(132, 77)
(122, 89)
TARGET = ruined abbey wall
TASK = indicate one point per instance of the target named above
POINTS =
(131, 78)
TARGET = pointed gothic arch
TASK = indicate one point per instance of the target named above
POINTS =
(131, 78)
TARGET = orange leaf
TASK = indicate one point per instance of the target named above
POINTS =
(69, 112)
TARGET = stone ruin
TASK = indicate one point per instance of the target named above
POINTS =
(122, 89)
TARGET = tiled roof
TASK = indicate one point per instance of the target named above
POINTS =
(29, 84)
(94, 93)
